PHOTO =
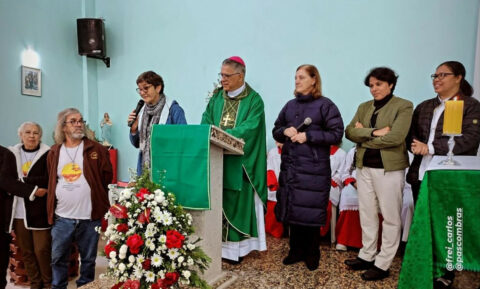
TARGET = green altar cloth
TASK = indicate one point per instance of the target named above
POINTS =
(180, 162)
(445, 232)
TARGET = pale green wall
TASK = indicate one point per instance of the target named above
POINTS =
(49, 28)
(186, 40)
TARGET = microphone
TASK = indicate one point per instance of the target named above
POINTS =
(304, 124)
(137, 110)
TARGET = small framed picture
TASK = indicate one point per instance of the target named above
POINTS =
(31, 81)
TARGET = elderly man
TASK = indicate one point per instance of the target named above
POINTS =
(10, 184)
(239, 110)
(79, 171)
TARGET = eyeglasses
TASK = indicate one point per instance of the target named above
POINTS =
(74, 122)
(441, 75)
(227, 76)
(143, 89)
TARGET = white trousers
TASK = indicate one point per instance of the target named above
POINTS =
(380, 191)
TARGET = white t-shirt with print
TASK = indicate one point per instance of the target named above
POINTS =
(73, 192)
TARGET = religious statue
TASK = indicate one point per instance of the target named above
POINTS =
(106, 126)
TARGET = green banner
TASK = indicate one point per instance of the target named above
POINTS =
(180, 162)
(445, 230)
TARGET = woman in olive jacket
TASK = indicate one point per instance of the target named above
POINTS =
(379, 129)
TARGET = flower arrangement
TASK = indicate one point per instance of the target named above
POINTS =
(216, 87)
(149, 244)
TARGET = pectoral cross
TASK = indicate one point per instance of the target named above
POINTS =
(227, 119)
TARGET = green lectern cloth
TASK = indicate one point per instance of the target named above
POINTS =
(180, 162)
(445, 230)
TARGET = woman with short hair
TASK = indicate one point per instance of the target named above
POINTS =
(379, 128)
(29, 216)
(157, 109)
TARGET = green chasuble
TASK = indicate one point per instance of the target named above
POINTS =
(242, 117)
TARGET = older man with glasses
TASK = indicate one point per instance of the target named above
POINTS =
(239, 110)
(79, 172)
(156, 108)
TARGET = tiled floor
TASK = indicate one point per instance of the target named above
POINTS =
(265, 270)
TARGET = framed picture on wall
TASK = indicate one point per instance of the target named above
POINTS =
(31, 81)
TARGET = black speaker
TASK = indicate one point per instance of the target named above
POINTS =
(91, 37)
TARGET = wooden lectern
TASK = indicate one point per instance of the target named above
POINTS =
(207, 221)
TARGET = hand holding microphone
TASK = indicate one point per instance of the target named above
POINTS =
(297, 134)
(132, 117)
(304, 124)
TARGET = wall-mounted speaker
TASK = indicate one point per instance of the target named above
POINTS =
(91, 37)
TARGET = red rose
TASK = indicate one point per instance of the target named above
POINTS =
(117, 286)
(134, 242)
(144, 217)
(141, 194)
(159, 285)
(118, 211)
(131, 284)
(146, 264)
(171, 278)
(104, 224)
(110, 247)
(174, 239)
(122, 227)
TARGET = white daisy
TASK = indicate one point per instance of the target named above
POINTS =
(149, 276)
(157, 260)
(140, 259)
(173, 253)
(137, 272)
(162, 239)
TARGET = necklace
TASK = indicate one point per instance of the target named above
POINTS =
(72, 160)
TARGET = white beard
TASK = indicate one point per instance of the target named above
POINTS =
(77, 135)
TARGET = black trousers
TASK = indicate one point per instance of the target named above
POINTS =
(305, 241)
(4, 255)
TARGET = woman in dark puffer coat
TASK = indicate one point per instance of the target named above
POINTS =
(304, 182)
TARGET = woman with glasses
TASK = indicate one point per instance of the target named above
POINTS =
(379, 128)
(426, 138)
(28, 216)
(307, 126)
(157, 109)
